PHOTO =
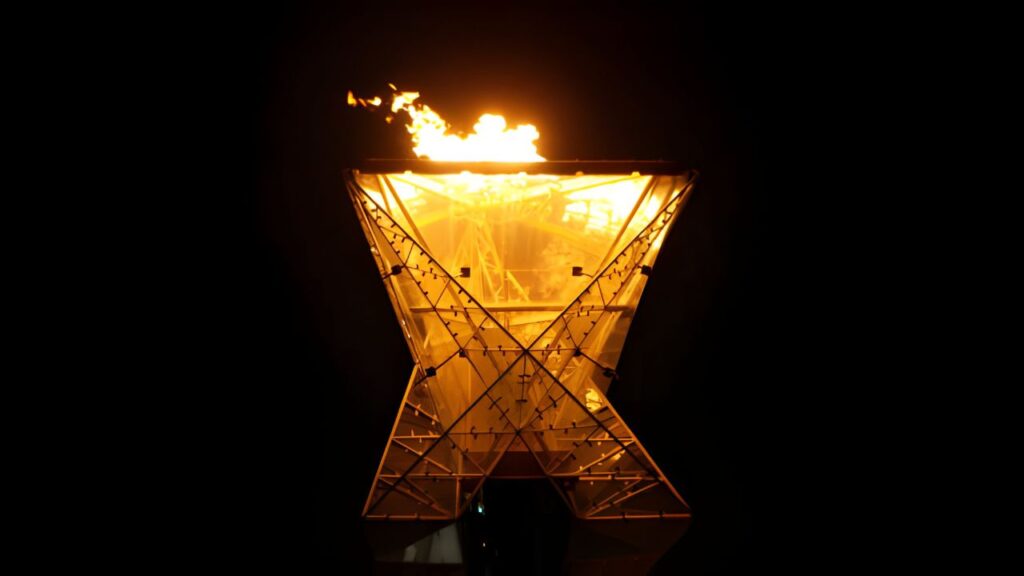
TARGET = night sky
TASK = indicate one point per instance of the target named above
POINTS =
(295, 364)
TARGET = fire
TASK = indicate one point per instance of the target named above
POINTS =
(491, 141)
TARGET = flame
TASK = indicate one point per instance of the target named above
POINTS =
(491, 140)
(353, 101)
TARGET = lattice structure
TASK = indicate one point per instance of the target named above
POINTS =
(515, 287)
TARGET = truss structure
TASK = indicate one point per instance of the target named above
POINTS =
(515, 286)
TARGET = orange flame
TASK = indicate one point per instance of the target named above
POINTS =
(491, 140)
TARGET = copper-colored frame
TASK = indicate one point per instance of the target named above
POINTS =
(433, 471)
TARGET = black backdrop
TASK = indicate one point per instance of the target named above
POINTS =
(287, 365)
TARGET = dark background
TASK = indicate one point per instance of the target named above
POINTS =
(286, 366)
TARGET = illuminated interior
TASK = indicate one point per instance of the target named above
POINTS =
(515, 292)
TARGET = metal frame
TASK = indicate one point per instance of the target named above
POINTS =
(412, 479)
(557, 167)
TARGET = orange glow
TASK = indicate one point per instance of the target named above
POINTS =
(491, 140)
